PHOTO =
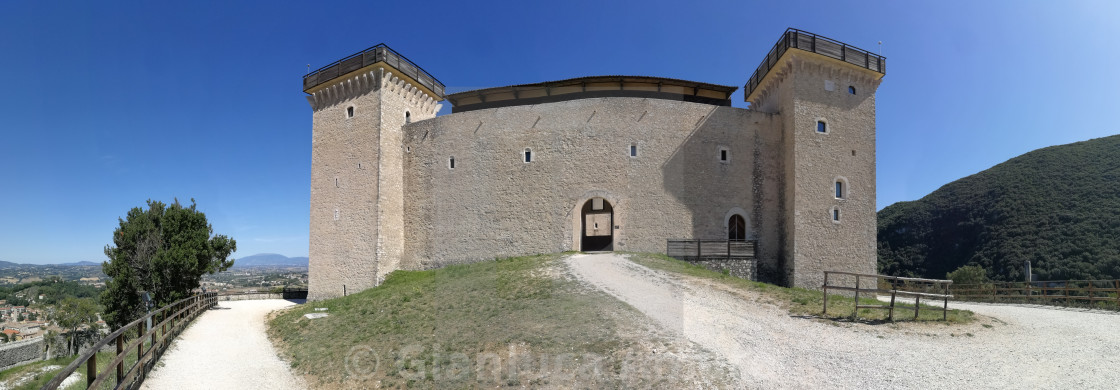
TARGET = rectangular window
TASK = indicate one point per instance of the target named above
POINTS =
(633, 150)
(836, 214)
(839, 190)
(528, 155)
(822, 127)
(451, 163)
(723, 155)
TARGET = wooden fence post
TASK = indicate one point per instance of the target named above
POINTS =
(945, 308)
(917, 305)
(120, 366)
(825, 312)
(91, 370)
(855, 310)
(894, 291)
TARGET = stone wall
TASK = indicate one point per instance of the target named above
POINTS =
(493, 204)
(807, 88)
(741, 268)
(18, 353)
(356, 178)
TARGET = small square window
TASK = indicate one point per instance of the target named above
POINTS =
(822, 127)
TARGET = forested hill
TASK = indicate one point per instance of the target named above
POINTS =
(1058, 207)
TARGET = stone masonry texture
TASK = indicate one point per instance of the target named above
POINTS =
(385, 197)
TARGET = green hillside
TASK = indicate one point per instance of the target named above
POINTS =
(1058, 207)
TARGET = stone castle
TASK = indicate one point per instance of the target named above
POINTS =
(620, 163)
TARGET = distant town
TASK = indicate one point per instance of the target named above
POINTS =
(30, 293)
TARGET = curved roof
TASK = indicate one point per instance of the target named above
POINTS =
(592, 87)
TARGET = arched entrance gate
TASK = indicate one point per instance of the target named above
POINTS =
(597, 233)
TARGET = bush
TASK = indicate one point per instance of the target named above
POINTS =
(969, 274)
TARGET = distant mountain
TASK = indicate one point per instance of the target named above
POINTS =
(270, 259)
(1058, 207)
(82, 263)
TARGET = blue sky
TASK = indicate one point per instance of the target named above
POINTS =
(108, 104)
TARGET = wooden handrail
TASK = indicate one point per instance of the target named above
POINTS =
(188, 309)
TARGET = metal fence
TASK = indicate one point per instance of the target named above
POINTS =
(813, 43)
(167, 322)
(367, 57)
(1095, 293)
(695, 250)
(895, 286)
(286, 293)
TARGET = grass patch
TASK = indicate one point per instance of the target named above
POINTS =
(509, 322)
(801, 301)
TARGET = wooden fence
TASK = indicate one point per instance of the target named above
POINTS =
(896, 285)
(1096, 293)
(167, 322)
(694, 250)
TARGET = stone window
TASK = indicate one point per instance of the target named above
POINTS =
(633, 150)
(350, 112)
(851, 90)
(822, 126)
(840, 188)
(451, 162)
(835, 214)
(724, 155)
(528, 155)
(407, 117)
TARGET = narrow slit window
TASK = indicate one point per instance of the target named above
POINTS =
(839, 189)
(350, 112)
(835, 214)
(451, 162)
(528, 155)
(407, 117)
(633, 150)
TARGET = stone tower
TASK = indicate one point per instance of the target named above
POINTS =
(824, 92)
(360, 105)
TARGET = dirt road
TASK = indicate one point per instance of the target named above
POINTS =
(1017, 347)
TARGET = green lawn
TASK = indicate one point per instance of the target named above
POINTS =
(509, 322)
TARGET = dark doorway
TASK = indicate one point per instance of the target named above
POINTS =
(736, 228)
(597, 232)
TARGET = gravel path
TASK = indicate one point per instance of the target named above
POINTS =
(226, 348)
(1009, 347)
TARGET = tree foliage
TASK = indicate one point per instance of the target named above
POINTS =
(1058, 207)
(969, 274)
(164, 250)
(71, 314)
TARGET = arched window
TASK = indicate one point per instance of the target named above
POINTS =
(736, 228)
(840, 188)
